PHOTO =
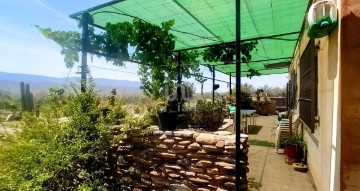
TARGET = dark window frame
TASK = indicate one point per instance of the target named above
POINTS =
(308, 86)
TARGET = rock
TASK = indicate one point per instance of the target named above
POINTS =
(169, 133)
(204, 163)
(203, 189)
(201, 155)
(157, 173)
(174, 167)
(225, 165)
(184, 133)
(158, 132)
(169, 141)
(178, 151)
(190, 173)
(204, 176)
(230, 185)
(185, 142)
(208, 139)
(220, 189)
(178, 138)
(179, 147)
(194, 146)
(211, 148)
(162, 137)
(183, 162)
(163, 146)
(212, 171)
(199, 180)
(196, 134)
(222, 133)
(174, 175)
(230, 148)
(220, 178)
(196, 170)
(227, 159)
(168, 155)
(220, 144)
(179, 187)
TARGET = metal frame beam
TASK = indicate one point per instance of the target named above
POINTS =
(84, 49)
(238, 98)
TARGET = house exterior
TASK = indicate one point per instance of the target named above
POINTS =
(324, 74)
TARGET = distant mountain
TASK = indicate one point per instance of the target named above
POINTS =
(11, 82)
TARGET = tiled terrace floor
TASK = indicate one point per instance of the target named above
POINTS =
(269, 169)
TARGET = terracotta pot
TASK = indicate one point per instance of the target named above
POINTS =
(294, 151)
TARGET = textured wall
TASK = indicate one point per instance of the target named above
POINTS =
(350, 94)
(178, 160)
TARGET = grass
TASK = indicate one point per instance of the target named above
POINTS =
(261, 143)
(253, 185)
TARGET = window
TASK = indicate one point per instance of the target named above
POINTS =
(308, 86)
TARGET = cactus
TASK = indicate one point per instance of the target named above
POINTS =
(23, 100)
(27, 98)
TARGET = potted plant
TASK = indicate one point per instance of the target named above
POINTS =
(166, 117)
(295, 147)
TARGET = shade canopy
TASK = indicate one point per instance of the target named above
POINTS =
(276, 24)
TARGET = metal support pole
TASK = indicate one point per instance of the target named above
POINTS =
(84, 44)
(213, 89)
(230, 91)
(179, 79)
(238, 97)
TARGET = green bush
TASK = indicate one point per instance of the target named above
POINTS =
(209, 114)
(48, 155)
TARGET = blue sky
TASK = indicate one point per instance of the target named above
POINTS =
(24, 50)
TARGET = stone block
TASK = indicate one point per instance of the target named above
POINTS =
(208, 139)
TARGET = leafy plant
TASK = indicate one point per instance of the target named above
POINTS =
(295, 139)
(48, 155)
(209, 114)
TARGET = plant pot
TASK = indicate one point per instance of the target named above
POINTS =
(167, 121)
(294, 151)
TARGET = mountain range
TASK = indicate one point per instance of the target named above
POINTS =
(11, 82)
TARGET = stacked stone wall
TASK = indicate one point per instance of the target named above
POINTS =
(178, 160)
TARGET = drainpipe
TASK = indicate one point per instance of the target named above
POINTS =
(238, 90)
(84, 44)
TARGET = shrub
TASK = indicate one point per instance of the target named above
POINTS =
(48, 155)
(209, 114)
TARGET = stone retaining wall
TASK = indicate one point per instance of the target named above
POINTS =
(178, 160)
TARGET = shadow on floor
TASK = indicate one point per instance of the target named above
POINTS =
(254, 129)
(261, 143)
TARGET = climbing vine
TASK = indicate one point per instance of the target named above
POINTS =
(153, 46)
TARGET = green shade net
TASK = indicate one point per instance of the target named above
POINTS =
(276, 24)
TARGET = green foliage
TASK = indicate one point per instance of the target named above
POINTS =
(8, 101)
(295, 139)
(226, 53)
(48, 155)
(209, 114)
(246, 100)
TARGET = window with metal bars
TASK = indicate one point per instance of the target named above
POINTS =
(308, 86)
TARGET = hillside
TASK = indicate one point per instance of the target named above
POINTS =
(10, 82)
